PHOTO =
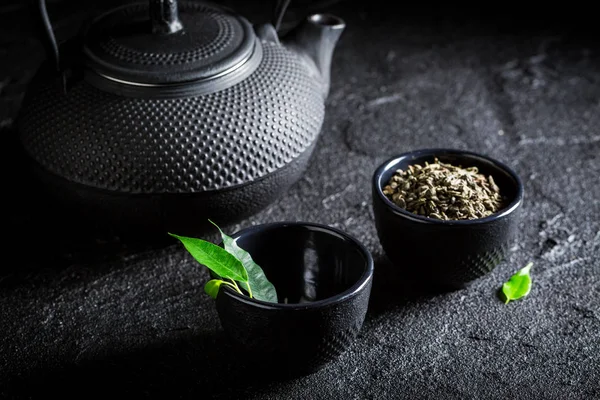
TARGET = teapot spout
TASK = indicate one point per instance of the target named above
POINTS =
(315, 40)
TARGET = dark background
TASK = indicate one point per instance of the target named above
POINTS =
(85, 314)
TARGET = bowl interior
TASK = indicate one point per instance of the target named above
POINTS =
(307, 263)
(505, 178)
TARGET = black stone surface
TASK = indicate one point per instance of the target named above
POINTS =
(87, 315)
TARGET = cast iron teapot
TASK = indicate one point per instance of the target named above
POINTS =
(164, 115)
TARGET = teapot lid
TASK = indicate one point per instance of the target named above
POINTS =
(157, 42)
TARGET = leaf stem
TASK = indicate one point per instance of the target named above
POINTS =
(235, 285)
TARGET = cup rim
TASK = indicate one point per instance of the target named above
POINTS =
(390, 162)
(349, 293)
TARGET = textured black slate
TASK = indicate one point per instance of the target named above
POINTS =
(89, 315)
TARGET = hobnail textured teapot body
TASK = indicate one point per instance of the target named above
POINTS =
(169, 160)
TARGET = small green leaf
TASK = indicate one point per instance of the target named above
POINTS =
(214, 258)
(258, 284)
(519, 285)
(212, 287)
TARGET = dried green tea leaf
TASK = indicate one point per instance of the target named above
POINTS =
(258, 284)
(444, 191)
(519, 285)
(215, 258)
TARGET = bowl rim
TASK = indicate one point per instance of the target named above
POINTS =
(353, 291)
(390, 162)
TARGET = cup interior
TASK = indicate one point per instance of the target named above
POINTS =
(307, 263)
(508, 182)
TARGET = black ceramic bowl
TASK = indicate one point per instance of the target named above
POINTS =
(323, 279)
(446, 253)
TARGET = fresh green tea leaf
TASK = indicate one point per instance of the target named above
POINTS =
(215, 258)
(519, 285)
(212, 287)
(258, 284)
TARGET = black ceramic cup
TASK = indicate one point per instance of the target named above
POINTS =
(446, 254)
(323, 280)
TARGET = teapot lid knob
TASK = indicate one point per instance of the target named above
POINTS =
(164, 15)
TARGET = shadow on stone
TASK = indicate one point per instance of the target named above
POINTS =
(501, 296)
(198, 366)
(394, 286)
